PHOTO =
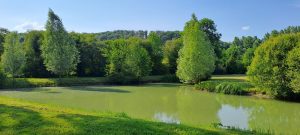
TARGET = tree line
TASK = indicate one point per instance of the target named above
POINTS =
(193, 54)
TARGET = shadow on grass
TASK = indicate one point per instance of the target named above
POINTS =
(17, 120)
(102, 125)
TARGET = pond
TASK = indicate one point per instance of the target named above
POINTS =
(173, 103)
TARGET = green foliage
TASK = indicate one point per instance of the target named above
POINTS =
(137, 61)
(127, 60)
(58, 50)
(226, 85)
(209, 27)
(293, 62)
(196, 60)
(273, 66)
(115, 54)
(207, 85)
(34, 63)
(13, 58)
(167, 35)
(288, 30)
(2, 78)
(170, 52)
(248, 57)
(92, 61)
(156, 53)
(120, 34)
(233, 61)
(229, 88)
(3, 32)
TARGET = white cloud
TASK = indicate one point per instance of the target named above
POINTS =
(28, 26)
(245, 28)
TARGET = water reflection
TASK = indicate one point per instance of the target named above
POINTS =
(163, 117)
(234, 117)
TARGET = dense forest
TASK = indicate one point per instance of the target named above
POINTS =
(125, 55)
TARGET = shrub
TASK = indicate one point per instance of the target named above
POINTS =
(274, 68)
(230, 88)
(207, 85)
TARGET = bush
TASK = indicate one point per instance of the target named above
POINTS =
(230, 88)
(207, 85)
(275, 66)
(225, 87)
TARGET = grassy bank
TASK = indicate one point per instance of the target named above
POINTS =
(75, 81)
(227, 84)
(22, 117)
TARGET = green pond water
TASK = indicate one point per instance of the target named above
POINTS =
(173, 103)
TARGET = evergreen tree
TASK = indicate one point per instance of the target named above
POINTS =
(58, 50)
(196, 60)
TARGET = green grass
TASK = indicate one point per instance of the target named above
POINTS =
(227, 84)
(23, 117)
(74, 81)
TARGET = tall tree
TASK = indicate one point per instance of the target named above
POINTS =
(156, 53)
(13, 58)
(171, 49)
(196, 60)
(137, 61)
(3, 32)
(209, 27)
(58, 50)
(34, 62)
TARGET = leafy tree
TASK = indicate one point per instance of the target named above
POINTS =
(137, 61)
(196, 60)
(92, 61)
(167, 35)
(156, 53)
(58, 50)
(233, 60)
(293, 62)
(209, 27)
(115, 54)
(118, 34)
(3, 32)
(288, 30)
(275, 64)
(239, 55)
(34, 63)
(247, 57)
(13, 58)
(170, 51)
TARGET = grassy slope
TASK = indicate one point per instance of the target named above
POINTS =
(22, 117)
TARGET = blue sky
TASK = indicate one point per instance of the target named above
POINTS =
(233, 17)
